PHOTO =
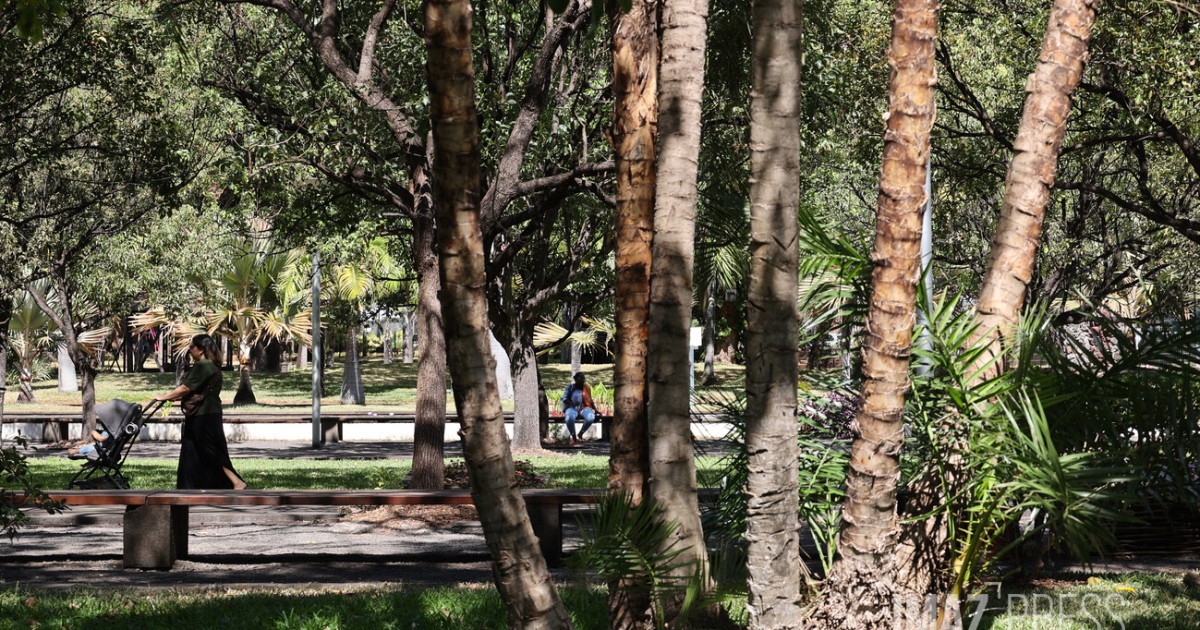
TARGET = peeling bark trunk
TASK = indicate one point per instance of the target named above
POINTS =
(635, 111)
(429, 428)
(772, 493)
(672, 461)
(352, 384)
(519, 568)
(859, 590)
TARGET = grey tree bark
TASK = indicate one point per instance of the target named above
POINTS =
(5, 318)
(669, 370)
(429, 426)
(518, 566)
(352, 384)
(526, 413)
(772, 522)
(68, 380)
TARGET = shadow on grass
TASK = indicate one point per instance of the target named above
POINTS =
(1132, 602)
(472, 606)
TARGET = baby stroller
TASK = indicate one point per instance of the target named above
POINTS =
(122, 422)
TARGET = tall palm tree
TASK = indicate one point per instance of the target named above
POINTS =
(858, 590)
(772, 523)
(669, 370)
(518, 566)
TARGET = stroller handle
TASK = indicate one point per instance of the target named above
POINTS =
(147, 411)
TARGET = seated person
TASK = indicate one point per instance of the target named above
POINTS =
(577, 403)
(90, 451)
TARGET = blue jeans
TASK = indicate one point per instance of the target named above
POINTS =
(589, 417)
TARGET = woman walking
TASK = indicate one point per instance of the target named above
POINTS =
(203, 455)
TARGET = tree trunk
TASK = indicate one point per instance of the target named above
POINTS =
(527, 409)
(710, 338)
(385, 329)
(352, 383)
(859, 591)
(245, 392)
(429, 427)
(5, 319)
(272, 356)
(772, 494)
(519, 568)
(1049, 91)
(672, 461)
(26, 396)
(925, 551)
(635, 88)
(87, 372)
(68, 380)
(635, 111)
(301, 357)
(410, 335)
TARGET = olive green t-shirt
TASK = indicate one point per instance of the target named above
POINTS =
(197, 380)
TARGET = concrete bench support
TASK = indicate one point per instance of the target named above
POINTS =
(546, 519)
(149, 537)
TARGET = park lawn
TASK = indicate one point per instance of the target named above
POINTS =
(388, 388)
(572, 471)
(1133, 601)
(449, 607)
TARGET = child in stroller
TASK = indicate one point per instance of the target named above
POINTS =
(92, 451)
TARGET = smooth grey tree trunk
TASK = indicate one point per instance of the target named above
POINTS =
(68, 381)
(409, 342)
(504, 379)
(352, 384)
(526, 414)
(302, 357)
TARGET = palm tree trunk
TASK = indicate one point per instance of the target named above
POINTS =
(352, 384)
(6, 304)
(924, 551)
(635, 88)
(672, 461)
(26, 393)
(1031, 174)
(772, 521)
(519, 568)
(429, 427)
(859, 593)
(635, 111)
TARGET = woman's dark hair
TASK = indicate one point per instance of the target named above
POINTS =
(209, 346)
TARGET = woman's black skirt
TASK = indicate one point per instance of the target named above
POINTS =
(204, 455)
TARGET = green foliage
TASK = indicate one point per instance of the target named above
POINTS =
(19, 492)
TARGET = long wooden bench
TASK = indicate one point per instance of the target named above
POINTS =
(156, 521)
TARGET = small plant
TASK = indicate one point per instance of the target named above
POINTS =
(14, 473)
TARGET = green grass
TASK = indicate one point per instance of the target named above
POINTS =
(450, 608)
(388, 387)
(1135, 602)
(1132, 601)
(574, 471)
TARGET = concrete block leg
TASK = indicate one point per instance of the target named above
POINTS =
(331, 431)
(546, 519)
(149, 537)
(179, 530)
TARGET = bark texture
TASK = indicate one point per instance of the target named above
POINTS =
(519, 569)
(352, 383)
(429, 426)
(672, 461)
(859, 591)
(5, 319)
(925, 552)
(772, 520)
(635, 89)
(526, 408)
(635, 122)
(1049, 91)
